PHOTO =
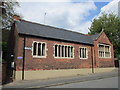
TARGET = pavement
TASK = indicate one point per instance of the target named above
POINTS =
(60, 81)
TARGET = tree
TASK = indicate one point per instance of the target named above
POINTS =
(110, 23)
(7, 8)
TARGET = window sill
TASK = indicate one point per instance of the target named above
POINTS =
(39, 56)
(84, 58)
(63, 58)
(105, 57)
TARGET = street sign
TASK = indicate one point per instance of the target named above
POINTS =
(19, 57)
(28, 48)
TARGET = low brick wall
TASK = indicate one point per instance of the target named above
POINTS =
(45, 74)
(101, 70)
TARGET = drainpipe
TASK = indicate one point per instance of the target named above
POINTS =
(92, 60)
(24, 42)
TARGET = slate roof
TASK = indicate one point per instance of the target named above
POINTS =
(35, 29)
(94, 37)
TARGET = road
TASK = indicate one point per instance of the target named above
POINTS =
(100, 83)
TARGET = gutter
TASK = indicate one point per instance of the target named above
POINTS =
(24, 42)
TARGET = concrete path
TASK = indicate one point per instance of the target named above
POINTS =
(59, 81)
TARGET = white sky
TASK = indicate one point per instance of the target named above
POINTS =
(68, 15)
(111, 7)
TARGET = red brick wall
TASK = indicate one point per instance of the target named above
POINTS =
(32, 63)
(103, 62)
(50, 62)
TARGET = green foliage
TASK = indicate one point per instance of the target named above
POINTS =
(118, 57)
(5, 35)
(7, 7)
(4, 50)
(110, 23)
(4, 46)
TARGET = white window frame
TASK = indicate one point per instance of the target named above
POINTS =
(57, 57)
(104, 50)
(86, 52)
(36, 56)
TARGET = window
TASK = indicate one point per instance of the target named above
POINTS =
(83, 53)
(43, 49)
(56, 50)
(63, 51)
(107, 51)
(71, 51)
(39, 49)
(34, 48)
(101, 50)
(104, 51)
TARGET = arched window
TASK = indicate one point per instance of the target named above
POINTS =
(83, 53)
(63, 51)
(39, 49)
(56, 50)
(43, 49)
(34, 48)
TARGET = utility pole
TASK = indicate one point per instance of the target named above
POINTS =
(44, 17)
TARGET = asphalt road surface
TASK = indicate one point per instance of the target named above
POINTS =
(101, 83)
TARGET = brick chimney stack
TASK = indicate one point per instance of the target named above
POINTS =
(16, 18)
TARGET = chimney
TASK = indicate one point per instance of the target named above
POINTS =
(16, 18)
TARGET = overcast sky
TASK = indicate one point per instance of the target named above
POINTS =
(75, 15)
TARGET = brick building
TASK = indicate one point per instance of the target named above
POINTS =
(35, 47)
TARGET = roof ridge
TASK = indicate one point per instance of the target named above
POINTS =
(54, 27)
